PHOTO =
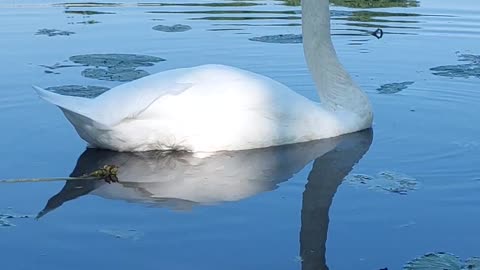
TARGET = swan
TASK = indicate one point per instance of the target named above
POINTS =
(180, 180)
(211, 108)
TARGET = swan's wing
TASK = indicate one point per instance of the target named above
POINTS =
(122, 102)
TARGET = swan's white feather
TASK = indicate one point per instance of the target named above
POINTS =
(224, 108)
(109, 109)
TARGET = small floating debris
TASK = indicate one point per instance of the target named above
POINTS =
(172, 28)
(108, 173)
(392, 88)
(441, 261)
(386, 181)
(86, 91)
(281, 39)
(115, 67)
(470, 69)
(131, 234)
(53, 32)
(378, 33)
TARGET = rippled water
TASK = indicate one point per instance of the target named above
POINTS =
(411, 186)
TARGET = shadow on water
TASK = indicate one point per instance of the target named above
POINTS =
(176, 180)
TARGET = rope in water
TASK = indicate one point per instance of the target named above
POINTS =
(107, 173)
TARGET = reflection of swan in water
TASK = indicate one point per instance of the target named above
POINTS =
(213, 107)
(327, 174)
(182, 180)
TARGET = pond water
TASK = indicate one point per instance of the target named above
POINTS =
(370, 200)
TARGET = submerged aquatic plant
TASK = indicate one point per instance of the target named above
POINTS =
(53, 32)
(282, 39)
(172, 28)
(442, 261)
(392, 88)
(470, 69)
(386, 181)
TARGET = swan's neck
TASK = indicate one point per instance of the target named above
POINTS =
(334, 85)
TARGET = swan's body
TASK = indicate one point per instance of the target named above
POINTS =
(213, 107)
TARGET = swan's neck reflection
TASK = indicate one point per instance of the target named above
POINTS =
(326, 176)
(184, 180)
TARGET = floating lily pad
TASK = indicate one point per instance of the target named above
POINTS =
(53, 32)
(472, 263)
(442, 261)
(115, 67)
(392, 88)
(470, 69)
(116, 60)
(172, 28)
(391, 182)
(114, 74)
(58, 65)
(283, 39)
(87, 91)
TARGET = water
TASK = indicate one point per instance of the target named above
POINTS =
(411, 186)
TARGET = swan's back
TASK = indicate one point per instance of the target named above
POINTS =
(206, 108)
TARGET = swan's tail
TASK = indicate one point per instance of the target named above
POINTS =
(78, 105)
(112, 107)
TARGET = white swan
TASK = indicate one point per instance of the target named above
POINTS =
(213, 107)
